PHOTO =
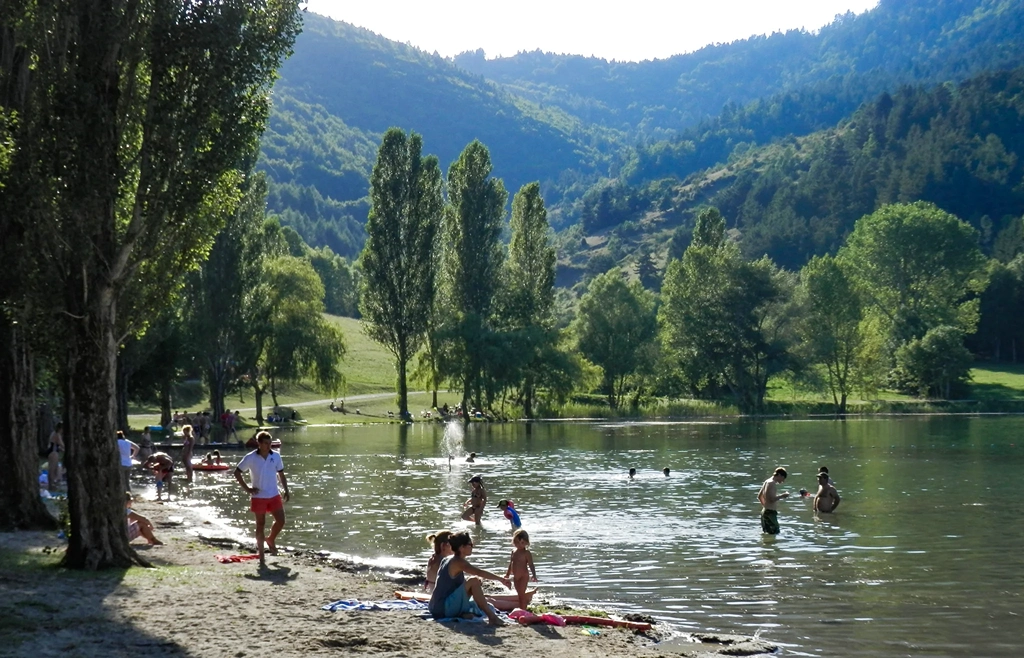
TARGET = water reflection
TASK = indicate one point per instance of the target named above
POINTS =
(922, 558)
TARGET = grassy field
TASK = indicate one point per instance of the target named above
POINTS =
(369, 370)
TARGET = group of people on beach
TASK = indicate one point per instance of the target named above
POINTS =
(452, 593)
(826, 500)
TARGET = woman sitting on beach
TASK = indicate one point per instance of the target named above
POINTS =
(442, 549)
(138, 525)
(452, 593)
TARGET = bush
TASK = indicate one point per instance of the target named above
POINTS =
(936, 365)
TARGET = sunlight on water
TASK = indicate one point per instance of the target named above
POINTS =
(923, 556)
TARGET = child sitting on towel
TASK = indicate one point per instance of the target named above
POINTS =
(441, 550)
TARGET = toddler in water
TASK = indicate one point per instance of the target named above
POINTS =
(520, 565)
(442, 549)
(509, 509)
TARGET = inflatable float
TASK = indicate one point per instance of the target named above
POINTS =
(201, 466)
(503, 602)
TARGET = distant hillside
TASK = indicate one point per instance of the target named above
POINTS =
(959, 147)
(898, 42)
(573, 123)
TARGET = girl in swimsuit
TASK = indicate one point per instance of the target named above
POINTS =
(442, 549)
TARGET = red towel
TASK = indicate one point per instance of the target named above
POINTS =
(228, 559)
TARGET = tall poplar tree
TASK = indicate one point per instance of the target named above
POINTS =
(473, 260)
(397, 260)
(134, 122)
(529, 288)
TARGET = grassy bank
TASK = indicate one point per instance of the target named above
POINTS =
(370, 384)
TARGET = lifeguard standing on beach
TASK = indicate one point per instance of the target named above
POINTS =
(265, 468)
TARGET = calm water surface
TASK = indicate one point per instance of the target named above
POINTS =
(923, 557)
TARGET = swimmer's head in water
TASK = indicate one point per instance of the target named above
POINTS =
(666, 471)
(632, 472)
(804, 492)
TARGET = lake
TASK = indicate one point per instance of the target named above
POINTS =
(923, 556)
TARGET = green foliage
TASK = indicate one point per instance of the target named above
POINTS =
(295, 339)
(398, 263)
(472, 265)
(725, 323)
(616, 330)
(936, 364)
(916, 267)
(830, 323)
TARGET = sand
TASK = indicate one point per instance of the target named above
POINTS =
(189, 604)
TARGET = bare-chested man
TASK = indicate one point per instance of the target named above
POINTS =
(827, 499)
(768, 497)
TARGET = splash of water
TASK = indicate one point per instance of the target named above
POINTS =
(454, 434)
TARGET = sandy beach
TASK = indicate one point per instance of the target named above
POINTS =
(190, 604)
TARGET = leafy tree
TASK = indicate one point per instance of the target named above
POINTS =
(397, 261)
(223, 295)
(293, 339)
(341, 282)
(917, 267)
(528, 290)
(473, 260)
(830, 323)
(616, 329)
(935, 364)
(726, 322)
(141, 115)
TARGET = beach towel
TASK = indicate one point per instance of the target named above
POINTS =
(228, 559)
(348, 605)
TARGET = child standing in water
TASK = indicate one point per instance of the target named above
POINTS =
(442, 549)
(509, 509)
(474, 507)
(520, 565)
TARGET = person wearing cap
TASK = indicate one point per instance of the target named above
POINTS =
(508, 508)
(768, 497)
(473, 509)
(827, 499)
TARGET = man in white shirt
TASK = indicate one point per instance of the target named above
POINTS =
(127, 450)
(265, 468)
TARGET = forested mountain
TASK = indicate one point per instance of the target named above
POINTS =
(900, 41)
(573, 123)
(345, 86)
(959, 147)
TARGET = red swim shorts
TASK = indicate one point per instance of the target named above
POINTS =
(266, 505)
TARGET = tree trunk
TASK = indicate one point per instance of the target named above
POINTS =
(99, 533)
(19, 487)
(257, 393)
(273, 391)
(216, 379)
(403, 390)
(528, 398)
(842, 405)
(165, 403)
(122, 396)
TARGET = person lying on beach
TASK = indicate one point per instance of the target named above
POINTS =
(452, 594)
(442, 549)
(473, 509)
(139, 525)
(520, 565)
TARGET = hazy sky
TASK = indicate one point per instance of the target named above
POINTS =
(623, 30)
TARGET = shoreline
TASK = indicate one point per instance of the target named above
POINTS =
(191, 604)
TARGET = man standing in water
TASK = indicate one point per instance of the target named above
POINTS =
(768, 497)
(265, 468)
(827, 499)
